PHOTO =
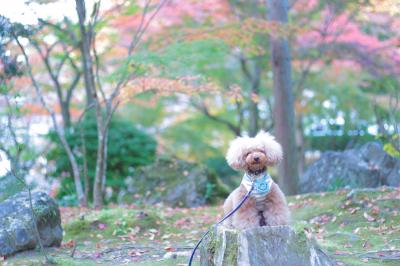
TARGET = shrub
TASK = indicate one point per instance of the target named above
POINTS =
(219, 165)
(128, 147)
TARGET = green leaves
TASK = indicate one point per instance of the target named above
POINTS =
(131, 9)
(128, 147)
(204, 57)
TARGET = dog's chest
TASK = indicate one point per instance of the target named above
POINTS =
(261, 187)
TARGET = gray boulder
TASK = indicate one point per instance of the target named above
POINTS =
(368, 166)
(175, 183)
(17, 231)
(262, 246)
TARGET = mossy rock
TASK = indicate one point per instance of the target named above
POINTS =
(17, 228)
(176, 183)
(276, 245)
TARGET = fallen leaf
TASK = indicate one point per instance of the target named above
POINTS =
(97, 255)
(342, 252)
(69, 244)
(366, 244)
(375, 210)
(101, 226)
(166, 236)
(169, 248)
(353, 210)
(368, 217)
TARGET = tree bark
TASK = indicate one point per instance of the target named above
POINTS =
(104, 172)
(283, 98)
(98, 179)
(87, 61)
(254, 126)
(60, 133)
(301, 145)
(252, 72)
(89, 77)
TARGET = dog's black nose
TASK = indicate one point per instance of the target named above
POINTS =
(256, 159)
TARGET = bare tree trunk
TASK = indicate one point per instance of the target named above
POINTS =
(104, 177)
(89, 77)
(59, 131)
(85, 167)
(98, 178)
(85, 50)
(300, 139)
(252, 72)
(65, 114)
(254, 126)
(253, 123)
(283, 99)
(89, 56)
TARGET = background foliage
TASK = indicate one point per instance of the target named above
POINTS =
(129, 147)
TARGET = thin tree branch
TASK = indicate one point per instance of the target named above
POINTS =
(203, 108)
(58, 130)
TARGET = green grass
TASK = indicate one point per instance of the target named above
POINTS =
(350, 227)
(111, 223)
(345, 227)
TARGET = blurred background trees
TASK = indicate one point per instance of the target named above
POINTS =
(182, 78)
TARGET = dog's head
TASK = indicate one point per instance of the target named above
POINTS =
(254, 154)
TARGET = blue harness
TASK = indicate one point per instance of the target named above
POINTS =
(262, 184)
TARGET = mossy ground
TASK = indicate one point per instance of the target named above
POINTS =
(359, 230)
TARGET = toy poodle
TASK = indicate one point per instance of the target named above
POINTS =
(266, 205)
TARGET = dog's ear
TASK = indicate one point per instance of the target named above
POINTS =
(234, 156)
(272, 149)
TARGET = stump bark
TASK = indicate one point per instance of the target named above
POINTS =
(276, 245)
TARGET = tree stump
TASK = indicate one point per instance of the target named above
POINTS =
(268, 245)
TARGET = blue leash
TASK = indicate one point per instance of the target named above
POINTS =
(219, 222)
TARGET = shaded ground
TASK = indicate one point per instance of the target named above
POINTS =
(361, 227)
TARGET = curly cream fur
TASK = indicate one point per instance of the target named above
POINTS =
(242, 145)
(275, 211)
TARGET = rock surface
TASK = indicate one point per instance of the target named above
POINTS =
(176, 183)
(368, 166)
(17, 230)
(262, 246)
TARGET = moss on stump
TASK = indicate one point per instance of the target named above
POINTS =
(276, 245)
